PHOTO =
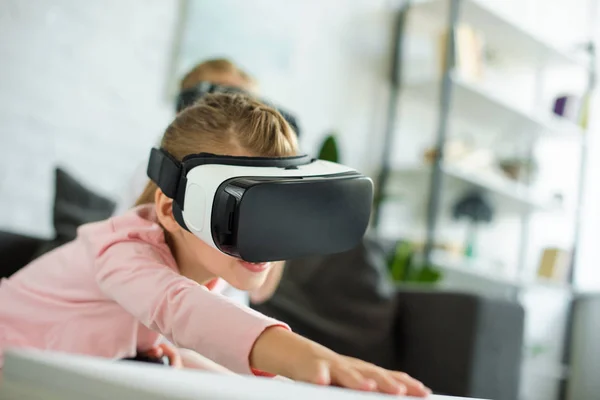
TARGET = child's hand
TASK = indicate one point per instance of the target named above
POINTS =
(282, 352)
(166, 350)
(359, 375)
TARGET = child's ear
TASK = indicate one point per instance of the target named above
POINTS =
(164, 212)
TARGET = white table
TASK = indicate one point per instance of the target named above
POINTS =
(34, 375)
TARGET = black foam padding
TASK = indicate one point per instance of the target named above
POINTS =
(293, 218)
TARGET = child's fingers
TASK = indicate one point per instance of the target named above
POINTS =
(385, 380)
(155, 352)
(415, 387)
(172, 354)
(315, 371)
(346, 376)
(412, 386)
(322, 374)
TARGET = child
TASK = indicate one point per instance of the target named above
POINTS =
(124, 282)
(223, 72)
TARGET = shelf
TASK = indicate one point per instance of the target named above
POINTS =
(500, 32)
(472, 268)
(478, 269)
(548, 370)
(504, 188)
(472, 102)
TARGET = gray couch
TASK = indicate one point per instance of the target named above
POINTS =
(458, 344)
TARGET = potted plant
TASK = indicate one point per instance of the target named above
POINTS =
(475, 208)
(329, 149)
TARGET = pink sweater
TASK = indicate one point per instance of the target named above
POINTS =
(115, 290)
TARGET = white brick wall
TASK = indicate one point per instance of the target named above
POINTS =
(83, 86)
(85, 83)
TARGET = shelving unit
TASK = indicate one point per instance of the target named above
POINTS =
(457, 97)
(482, 270)
(501, 32)
(481, 105)
(473, 268)
(464, 99)
(509, 191)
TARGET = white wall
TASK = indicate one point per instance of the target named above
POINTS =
(325, 60)
(87, 84)
(83, 86)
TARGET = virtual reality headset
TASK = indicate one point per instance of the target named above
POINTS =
(189, 96)
(263, 209)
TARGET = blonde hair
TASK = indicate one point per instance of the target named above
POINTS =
(210, 70)
(224, 123)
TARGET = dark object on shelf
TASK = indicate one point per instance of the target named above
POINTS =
(568, 107)
(457, 344)
(329, 149)
(475, 208)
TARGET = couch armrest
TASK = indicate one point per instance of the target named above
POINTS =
(460, 344)
(16, 251)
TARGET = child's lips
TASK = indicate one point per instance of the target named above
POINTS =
(255, 267)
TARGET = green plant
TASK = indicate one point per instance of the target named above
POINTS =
(329, 149)
(475, 208)
(404, 268)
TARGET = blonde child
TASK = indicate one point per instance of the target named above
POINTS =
(224, 72)
(125, 282)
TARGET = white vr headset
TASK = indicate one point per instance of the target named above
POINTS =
(266, 209)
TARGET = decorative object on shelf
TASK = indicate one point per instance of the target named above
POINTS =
(464, 155)
(519, 168)
(329, 149)
(476, 209)
(568, 106)
(453, 151)
(584, 117)
(405, 269)
(554, 264)
(470, 52)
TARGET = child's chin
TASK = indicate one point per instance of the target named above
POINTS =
(255, 268)
(248, 281)
(252, 283)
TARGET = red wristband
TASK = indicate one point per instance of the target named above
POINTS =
(258, 372)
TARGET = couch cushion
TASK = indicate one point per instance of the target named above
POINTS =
(461, 344)
(74, 205)
(16, 251)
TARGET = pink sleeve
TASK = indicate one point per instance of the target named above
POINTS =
(186, 313)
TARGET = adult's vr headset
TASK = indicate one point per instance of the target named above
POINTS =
(189, 96)
(266, 209)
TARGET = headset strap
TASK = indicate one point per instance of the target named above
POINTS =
(167, 173)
